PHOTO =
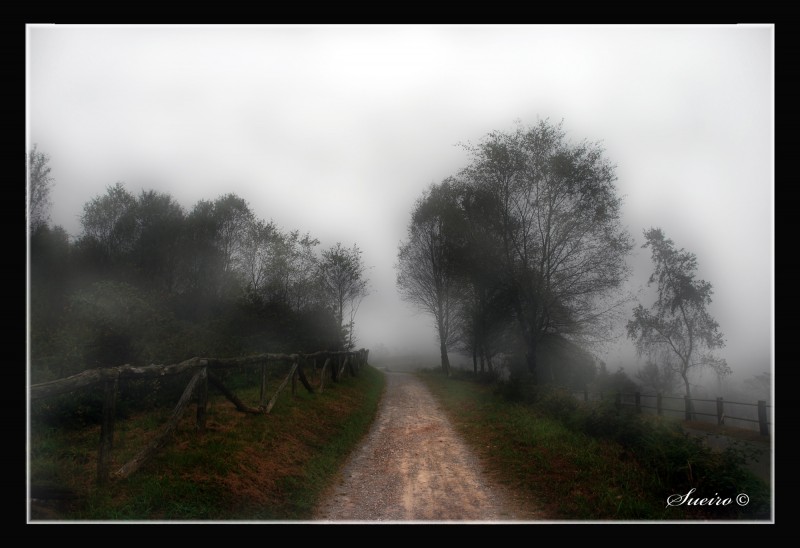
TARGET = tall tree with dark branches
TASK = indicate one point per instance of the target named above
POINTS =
(425, 274)
(557, 219)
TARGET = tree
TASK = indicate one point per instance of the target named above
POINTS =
(110, 221)
(39, 185)
(233, 216)
(341, 275)
(160, 223)
(679, 322)
(485, 316)
(255, 254)
(556, 215)
(425, 273)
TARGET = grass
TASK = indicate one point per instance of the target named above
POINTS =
(245, 467)
(575, 471)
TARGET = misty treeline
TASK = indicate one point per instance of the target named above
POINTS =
(520, 259)
(147, 281)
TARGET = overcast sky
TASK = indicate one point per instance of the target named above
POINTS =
(336, 130)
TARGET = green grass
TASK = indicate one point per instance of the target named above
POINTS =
(245, 467)
(580, 467)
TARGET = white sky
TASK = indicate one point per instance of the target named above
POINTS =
(336, 130)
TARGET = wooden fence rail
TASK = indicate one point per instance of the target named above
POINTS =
(689, 411)
(202, 368)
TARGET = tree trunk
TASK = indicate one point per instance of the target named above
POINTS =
(689, 402)
(445, 359)
(443, 348)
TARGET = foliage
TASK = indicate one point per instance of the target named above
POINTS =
(146, 282)
(679, 321)
(597, 461)
(40, 183)
(344, 285)
(526, 243)
(555, 213)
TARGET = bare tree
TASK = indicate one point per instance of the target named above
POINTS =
(39, 185)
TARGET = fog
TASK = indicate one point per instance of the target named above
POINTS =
(336, 130)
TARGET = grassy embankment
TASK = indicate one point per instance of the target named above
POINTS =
(245, 467)
(595, 464)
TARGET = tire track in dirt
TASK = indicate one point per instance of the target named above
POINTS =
(413, 466)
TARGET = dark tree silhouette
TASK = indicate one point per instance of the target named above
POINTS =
(679, 322)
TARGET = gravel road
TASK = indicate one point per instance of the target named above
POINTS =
(413, 466)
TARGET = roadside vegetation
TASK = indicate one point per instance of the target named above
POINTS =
(245, 467)
(595, 462)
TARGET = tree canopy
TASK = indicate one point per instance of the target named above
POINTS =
(533, 223)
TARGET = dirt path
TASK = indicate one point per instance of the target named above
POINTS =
(413, 466)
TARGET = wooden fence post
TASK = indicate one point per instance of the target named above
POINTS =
(107, 430)
(303, 379)
(659, 409)
(762, 418)
(202, 403)
(638, 399)
(161, 439)
(294, 382)
(281, 387)
(720, 412)
(322, 375)
(687, 403)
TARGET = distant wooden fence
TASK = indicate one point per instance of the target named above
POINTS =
(690, 410)
(335, 366)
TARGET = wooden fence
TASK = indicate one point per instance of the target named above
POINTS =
(690, 410)
(335, 366)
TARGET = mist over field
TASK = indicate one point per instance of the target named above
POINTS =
(337, 131)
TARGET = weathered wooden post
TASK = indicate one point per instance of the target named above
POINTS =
(202, 403)
(107, 429)
(720, 412)
(762, 418)
(302, 376)
(322, 375)
(687, 403)
(659, 408)
(638, 399)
